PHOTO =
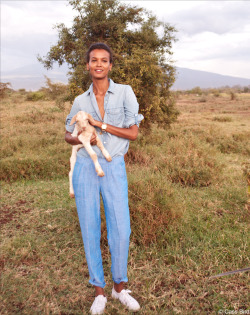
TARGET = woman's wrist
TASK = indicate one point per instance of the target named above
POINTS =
(98, 124)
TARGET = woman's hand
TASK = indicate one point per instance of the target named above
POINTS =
(94, 122)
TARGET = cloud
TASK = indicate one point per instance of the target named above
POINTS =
(211, 34)
(192, 17)
(27, 30)
(218, 17)
(17, 50)
(208, 45)
(39, 17)
(224, 54)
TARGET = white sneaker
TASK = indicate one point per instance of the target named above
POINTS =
(98, 305)
(126, 299)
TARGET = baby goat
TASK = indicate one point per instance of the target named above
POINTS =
(84, 131)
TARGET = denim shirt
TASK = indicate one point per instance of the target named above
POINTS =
(121, 110)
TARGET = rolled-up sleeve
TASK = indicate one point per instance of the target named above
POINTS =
(131, 108)
(73, 112)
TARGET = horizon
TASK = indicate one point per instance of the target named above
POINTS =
(35, 78)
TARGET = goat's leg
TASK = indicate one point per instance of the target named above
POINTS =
(94, 158)
(72, 165)
(104, 151)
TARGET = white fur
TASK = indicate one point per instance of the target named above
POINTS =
(82, 124)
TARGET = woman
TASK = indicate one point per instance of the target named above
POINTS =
(114, 109)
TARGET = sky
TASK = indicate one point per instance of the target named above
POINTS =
(212, 35)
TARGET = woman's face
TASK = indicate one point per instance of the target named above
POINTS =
(99, 64)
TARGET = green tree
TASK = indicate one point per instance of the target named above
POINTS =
(142, 58)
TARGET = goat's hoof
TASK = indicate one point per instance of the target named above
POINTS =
(101, 174)
(109, 158)
(72, 195)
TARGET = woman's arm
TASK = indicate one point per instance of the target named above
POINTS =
(70, 139)
(74, 140)
(130, 133)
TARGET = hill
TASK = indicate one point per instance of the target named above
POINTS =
(188, 79)
(31, 77)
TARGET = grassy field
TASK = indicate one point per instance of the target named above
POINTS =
(188, 204)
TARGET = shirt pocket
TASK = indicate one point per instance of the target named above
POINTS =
(115, 116)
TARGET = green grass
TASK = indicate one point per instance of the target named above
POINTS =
(188, 205)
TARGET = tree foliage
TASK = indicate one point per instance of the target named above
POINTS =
(4, 88)
(141, 55)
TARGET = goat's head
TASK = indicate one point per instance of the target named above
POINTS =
(81, 119)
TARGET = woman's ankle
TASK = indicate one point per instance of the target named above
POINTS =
(118, 287)
(99, 291)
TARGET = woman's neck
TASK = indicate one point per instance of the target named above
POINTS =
(100, 86)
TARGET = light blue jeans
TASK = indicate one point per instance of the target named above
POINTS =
(114, 190)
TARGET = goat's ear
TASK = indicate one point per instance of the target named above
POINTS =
(73, 120)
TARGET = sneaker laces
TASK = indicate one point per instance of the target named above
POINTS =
(127, 291)
(125, 294)
(127, 299)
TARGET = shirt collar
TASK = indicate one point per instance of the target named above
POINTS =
(111, 86)
(110, 89)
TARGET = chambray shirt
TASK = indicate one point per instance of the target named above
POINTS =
(121, 110)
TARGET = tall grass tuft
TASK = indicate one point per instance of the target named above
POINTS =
(14, 169)
(154, 206)
(182, 158)
(191, 162)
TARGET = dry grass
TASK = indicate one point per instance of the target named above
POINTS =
(35, 134)
(188, 204)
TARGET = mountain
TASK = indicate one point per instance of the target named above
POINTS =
(31, 77)
(188, 79)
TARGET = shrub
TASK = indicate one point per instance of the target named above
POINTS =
(136, 156)
(246, 172)
(232, 96)
(36, 117)
(35, 96)
(203, 100)
(13, 169)
(223, 119)
(22, 91)
(236, 143)
(184, 159)
(197, 90)
(54, 90)
(157, 206)
(4, 88)
(192, 163)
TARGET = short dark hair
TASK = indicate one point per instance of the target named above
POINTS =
(100, 46)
